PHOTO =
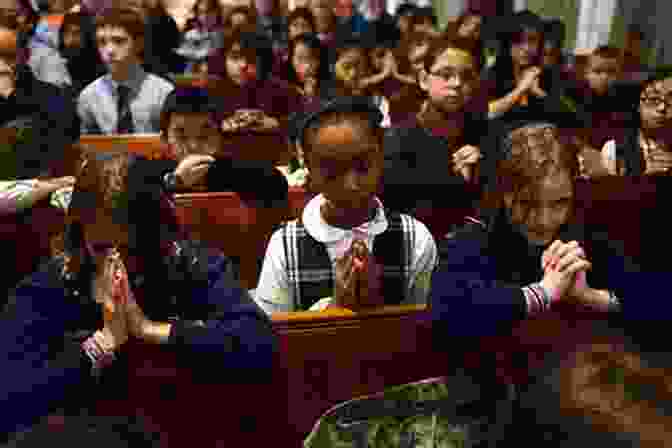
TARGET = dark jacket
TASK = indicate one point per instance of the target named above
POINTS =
(476, 291)
(418, 167)
(48, 316)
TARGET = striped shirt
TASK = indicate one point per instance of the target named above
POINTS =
(97, 104)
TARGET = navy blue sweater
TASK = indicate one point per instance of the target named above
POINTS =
(45, 322)
(476, 291)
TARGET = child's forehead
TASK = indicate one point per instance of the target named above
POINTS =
(112, 31)
(601, 61)
(191, 119)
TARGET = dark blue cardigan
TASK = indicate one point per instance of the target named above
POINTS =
(44, 323)
(476, 289)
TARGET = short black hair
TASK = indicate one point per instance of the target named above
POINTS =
(184, 100)
(339, 110)
(426, 12)
(406, 9)
(555, 32)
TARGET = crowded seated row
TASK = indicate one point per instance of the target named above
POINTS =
(381, 122)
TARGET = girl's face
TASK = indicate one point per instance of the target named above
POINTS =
(451, 80)
(351, 67)
(656, 105)
(601, 72)
(305, 61)
(345, 165)
(240, 66)
(470, 27)
(540, 218)
(525, 49)
(299, 26)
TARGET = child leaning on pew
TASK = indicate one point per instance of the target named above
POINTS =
(335, 254)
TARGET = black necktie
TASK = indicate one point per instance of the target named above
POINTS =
(125, 121)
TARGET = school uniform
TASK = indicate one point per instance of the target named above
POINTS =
(98, 103)
(298, 267)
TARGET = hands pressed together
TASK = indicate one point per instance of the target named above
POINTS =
(122, 316)
(356, 277)
(249, 119)
(465, 161)
(530, 82)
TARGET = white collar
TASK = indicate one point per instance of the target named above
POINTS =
(325, 233)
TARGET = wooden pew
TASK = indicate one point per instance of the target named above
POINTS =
(147, 145)
(324, 358)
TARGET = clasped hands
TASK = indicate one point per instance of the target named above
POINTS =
(355, 278)
(122, 316)
(565, 267)
(530, 82)
(249, 119)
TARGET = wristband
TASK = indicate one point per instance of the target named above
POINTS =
(614, 302)
(171, 181)
(100, 358)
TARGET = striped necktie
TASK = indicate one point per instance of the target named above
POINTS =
(125, 121)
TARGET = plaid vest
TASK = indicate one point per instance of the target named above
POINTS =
(310, 272)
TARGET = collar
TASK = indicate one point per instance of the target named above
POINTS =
(136, 75)
(324, 233)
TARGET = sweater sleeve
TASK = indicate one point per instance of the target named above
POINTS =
(43, 364)
(466, 297)
(232, 330)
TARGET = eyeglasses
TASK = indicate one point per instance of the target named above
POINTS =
(466, 76)
(656, 101)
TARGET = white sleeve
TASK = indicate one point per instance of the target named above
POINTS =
(425, 261)
(272, 293)
(609, 157)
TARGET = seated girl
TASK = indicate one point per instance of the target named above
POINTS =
(300, 21)
(308, 71)
(252, 102)
(124, 272)
(526, 254)
(352, 70)
(647, 146)
(518, 86)
(335, 254)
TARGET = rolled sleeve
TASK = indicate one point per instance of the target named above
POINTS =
(272, 293)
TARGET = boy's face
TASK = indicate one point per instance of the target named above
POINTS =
(116, 47)
(299, 26)
(324, 15)
(404, 24)
(656, 105)
(425, 25)
(451, 80)
(525, 48)
(193, 133)
(345, 165)
(351, 67)
(601, 72)
(240, 65)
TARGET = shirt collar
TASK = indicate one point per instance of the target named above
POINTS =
(324, 233)
(136, 76)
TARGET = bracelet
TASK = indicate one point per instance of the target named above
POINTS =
(171, 181)
(100, 358)
(537, 297)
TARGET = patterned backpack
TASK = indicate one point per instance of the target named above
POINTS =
(434, 413)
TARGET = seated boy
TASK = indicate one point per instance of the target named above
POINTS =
(126, 100)
(335, 254)
(189, 127)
